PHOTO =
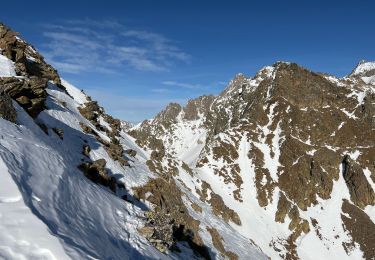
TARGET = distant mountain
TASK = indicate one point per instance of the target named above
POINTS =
(289, 152)
(280, 165)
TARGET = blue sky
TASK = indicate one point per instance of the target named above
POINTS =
(137, 56)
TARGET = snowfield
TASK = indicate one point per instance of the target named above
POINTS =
(6, 67)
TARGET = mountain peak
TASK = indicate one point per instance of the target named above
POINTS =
(364, 68)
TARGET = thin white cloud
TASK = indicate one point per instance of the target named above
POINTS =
(182, 85)
(107, 46)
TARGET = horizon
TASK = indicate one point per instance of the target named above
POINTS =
(144, 55)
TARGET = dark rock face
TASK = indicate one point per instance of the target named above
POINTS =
(360, 227)
(360, 190)
(7, 110)
(30, 93)
(200, 105)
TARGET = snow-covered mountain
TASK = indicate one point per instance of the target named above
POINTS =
(280, 166)
(289, 151)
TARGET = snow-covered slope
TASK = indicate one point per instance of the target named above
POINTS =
(73, 176)
(84, 218)
(6, 67)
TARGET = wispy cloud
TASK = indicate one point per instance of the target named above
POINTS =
(182, 84)
(107, 46)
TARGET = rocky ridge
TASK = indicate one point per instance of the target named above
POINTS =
(269, 135)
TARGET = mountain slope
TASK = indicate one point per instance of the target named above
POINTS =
(86, 185)
(288, 153)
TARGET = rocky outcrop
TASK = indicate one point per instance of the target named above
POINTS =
(96, 172)
(169, 221)
(30, 89)
(30, 93)
(92, 112)
(360, 190)
(197, 107)
(27, 60)
(7, 110)
(360, 227)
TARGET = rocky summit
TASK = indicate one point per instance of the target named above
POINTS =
(280, 165)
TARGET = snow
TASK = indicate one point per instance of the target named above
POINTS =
(77, 94)
(370, 210)
(271, 154)
(7, 68)
(354, 155)
(363, 67)
(22, 234)
(369, 80)
(328, 214)
(69, 211)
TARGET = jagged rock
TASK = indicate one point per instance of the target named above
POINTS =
(86, 150)
(131, 152)
(294, 126)
(283, 208)
(361, 229)
(90, 111)
(28, 62)
(23, 100)
(96, 172)
(170, 214)
(30, 93)
(200, 105)
(360, 190)
(7, 110)
(59, 132)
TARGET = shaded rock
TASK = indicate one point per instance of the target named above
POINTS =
(96, 172)
(170, 214)
(23, 100)
(360, 190)
(59, 132)
(131, 152)
(86, 150)
(30, 93)
(361, 229)
(7, 110)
